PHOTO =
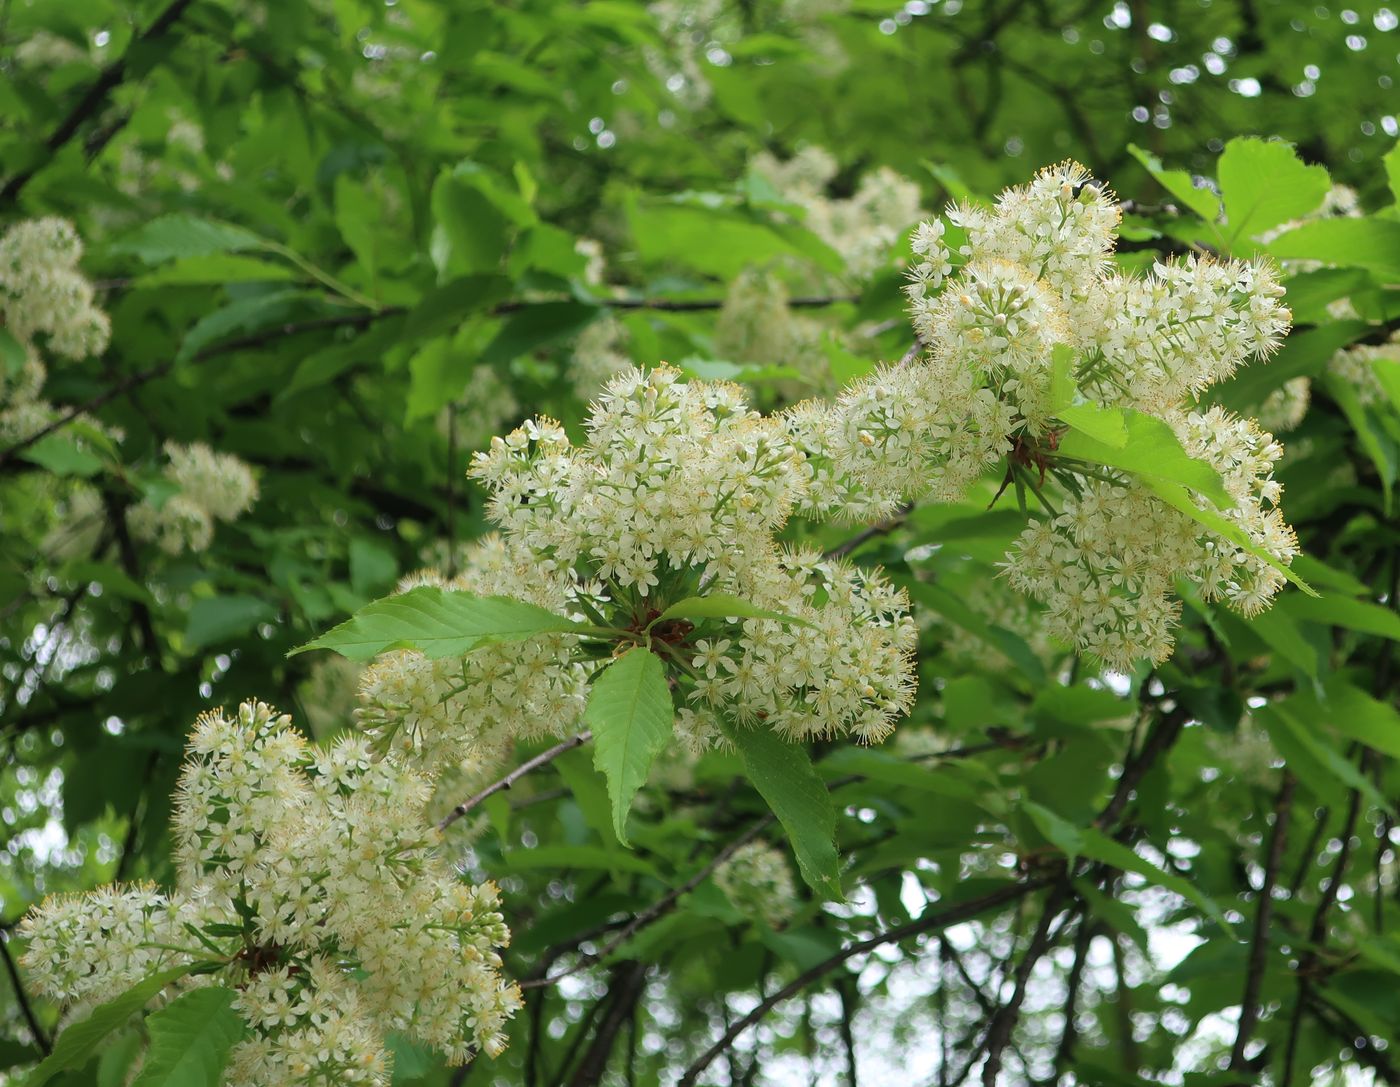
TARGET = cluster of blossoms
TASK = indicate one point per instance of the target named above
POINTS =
(460, 714)
(45, 302)
(863, 227)
(677, 493)
(208, 487)
(598, 357)
(308, 882)
(1354, 366)
(1031, 291)
(757, 325)
(757, 880)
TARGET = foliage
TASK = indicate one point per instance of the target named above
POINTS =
(341, 246)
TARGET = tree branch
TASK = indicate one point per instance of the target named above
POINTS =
(931, 922)
(21, 997)
(1263, 919)
(542, 759)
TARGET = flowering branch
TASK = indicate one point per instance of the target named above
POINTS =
(515, 775)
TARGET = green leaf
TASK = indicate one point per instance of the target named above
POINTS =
(79, 1041)
(1062, 386)
(243, 315)
(216, 619)
(1265, 183)
(1392, 171)
(535, 326)
(632, 718)
(722, 606)
(357, 217)
(1150, 450)
(180, 235)
(1308, 753)
(1354, 714)
(1104, 425)
(1338, 611)
(952, 608)
(1381, 451)
(190, 1040)
(1180, 184)
(213, 269)
(438, 622)
(1092, 843)
(62, 456)
(783, 774)
(1369, 242)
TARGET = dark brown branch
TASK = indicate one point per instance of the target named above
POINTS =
(933, 921)
(1004, 1021)
(860, 539)
(1263, 919)
(1317, 937)
(542, 759)
(1158, 742)
(107, 81)
(21, 997)
(628, 982)
(151, 373)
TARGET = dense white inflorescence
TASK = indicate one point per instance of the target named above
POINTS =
(209, 486)
(309, 881)
(678, 492)
(1030, 298)
(758, 881)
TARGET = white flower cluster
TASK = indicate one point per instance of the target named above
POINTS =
(678, 493)
(598, 357)
(487, 404)
(45, 302)
(461, 714)
(757, 880)
(863, 227)
(209, 486)
(308, 881)
(1029, 300)
(1353, 365)
(757, 325)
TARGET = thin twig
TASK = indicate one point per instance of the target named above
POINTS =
(934, 921)
(515, 775)
(656, 910)
(860, 539)
(107, 81)
(1263, 918)
(40, 1038)
(1317, 937)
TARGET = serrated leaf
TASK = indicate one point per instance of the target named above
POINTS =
(438, 622)
(181, 235)
(1338, 611)
(723, 606)
(1150, 450)
(632, 718)
(783, 774)
(1264, 183)
(1309, 753)
(190, 1040)
(79, 1041)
